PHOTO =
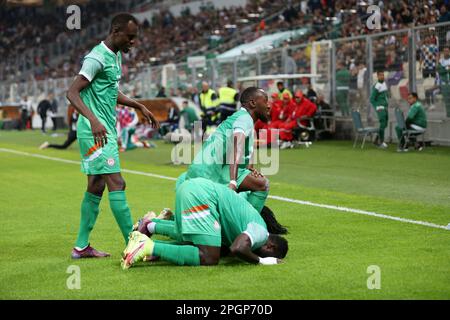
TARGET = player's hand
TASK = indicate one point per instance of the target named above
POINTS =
(150, 117)
(256, 173)
(99, 132)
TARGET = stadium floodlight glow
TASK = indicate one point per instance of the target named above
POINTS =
(243, 21)
(216, 31)
(253, 15)
(230, 26)
(362, 4)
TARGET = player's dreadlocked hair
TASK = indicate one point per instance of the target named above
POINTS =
(273, 226)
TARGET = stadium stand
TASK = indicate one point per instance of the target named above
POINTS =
(52, 53)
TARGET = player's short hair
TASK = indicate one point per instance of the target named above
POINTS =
(121, 20)
(280, 82)
(414, 94)
(248, 95)
(281, 245)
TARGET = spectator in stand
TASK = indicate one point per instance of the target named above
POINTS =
(428, 58)
(161, 93)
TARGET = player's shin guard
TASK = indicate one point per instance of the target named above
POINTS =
(180, 255)
(89, 213)
(121, 211)
(257, 199)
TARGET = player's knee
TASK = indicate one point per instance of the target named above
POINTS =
(97, 187)
(117, 183)
(208, 256)
(208, 260)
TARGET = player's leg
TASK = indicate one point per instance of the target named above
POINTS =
(258, 185)
(89, 213)
(150, 226)
(118, 203)
(204, 251)
(71, 137)
(141, 246)
(400, 137)
(383, 119)
(196, 222)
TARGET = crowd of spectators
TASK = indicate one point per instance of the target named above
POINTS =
(167, 38)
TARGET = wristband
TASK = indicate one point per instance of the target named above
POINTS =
(234, 183)
(268, 261)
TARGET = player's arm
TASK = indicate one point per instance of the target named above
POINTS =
(242, 248)
(126, 101)
(73, 95)
(238, 152)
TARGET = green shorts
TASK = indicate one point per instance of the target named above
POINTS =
(97, 160)
(196, 217)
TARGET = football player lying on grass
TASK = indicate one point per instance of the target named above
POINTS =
(207, 215)
(273, 226)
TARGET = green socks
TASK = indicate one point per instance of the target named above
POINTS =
(89, 213)
(181, 255)
(257, 199)
(119, 207)
(166, 228)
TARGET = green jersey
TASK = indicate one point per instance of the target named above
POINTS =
(238, 216)
(379, 95)
(190, 116)
(416, 115)
(444, 71)
(103, 68)
(207, 208)
(212, 162)
(342, 79)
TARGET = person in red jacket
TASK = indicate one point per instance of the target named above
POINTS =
(303, 108)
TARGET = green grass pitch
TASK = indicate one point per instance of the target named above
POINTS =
(330, 250)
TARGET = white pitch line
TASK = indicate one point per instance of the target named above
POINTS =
(302, 202)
